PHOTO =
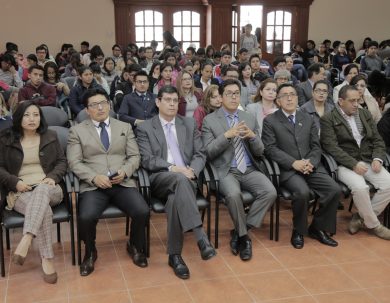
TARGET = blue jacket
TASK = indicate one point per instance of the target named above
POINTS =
(76, 95)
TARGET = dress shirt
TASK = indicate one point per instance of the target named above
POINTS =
(99, 130)
(352, 123)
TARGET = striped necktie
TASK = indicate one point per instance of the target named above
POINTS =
(239, 151)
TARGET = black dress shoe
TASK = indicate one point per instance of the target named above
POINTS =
(179, 267)
(245, 249)
(234, 242)
(321, 236)
(138, 257)
(297, 239)
(87, 266)
(207, 251)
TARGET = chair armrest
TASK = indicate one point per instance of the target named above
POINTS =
(386, 163)
(213, 170)
(276, 170)
(76, 184)
(331, 164)
(68, 182)
(268, 167)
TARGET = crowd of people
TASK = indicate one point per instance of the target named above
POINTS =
(174, 111)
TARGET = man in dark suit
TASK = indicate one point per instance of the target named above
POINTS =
(139, 105)
(172, 151)
(350, 135)
(103, 153)
(315, 72)
(291, 139)
(233, 145)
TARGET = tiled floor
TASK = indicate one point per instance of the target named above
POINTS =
(358, 270)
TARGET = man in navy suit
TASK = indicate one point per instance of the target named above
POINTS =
(139, 105)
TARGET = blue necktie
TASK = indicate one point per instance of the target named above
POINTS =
(239, 150)
(104, 136)
(291, 119)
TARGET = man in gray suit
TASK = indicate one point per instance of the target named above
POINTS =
(233, 145)
(103, 153)
(291, 139)
(172, 151)
(315, 72)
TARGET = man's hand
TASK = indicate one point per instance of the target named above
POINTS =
(376, 166)
(138, 122)
(102, 181)
(303, 166)
(48, 181)
(360, 168)
(118, 179)
(22, 187)
(246, 132)
(233, 131)
(186, 171)
(240, 130)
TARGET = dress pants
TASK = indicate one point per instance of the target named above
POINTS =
(179, 194)
(127, 199)
(258, 185)
(368, 209)
(38, 217)
(329, 195)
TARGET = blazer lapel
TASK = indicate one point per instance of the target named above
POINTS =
(115, 129)
(181, 135)
(283, 119)
(299, 121)
(344, 122)
(222, 119)
(160, 135)
(92, 130)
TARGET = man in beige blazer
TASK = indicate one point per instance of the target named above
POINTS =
(103, 153)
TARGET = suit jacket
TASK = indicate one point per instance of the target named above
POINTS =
(305, 93)
(153, 146)
(286, 143)
(133, 108)
(219, 150)
(338, 141)
(88, 158)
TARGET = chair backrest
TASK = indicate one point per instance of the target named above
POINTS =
(55, 116)
(70, 81)
(62, 134)
(81, 116)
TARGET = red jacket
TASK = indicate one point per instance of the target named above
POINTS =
(45, 94)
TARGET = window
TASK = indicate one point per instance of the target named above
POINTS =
(186, 28)
(148, 27)
(278, 32)
(235, 32)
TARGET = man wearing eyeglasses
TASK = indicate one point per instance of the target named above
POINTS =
(233, 145)
(139, 105)
(172, 152)
(291, 139)
(103, 153)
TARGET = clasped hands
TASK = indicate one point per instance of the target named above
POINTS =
(104, 182)
(186, 171)
(303, 166)
(23, 187)
(240, 130)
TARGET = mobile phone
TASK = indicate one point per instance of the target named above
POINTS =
(113, 176)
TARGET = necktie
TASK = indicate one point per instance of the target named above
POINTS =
(142, 97)
(174, 147)
(291, 119)
(239, 151)
(104, 135)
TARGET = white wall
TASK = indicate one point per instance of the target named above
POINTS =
(349, 19)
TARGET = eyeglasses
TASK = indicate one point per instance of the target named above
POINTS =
(170, 100)
(231, 94)
(321, 91)
(287, 96)
(96, 105)
(142, 81)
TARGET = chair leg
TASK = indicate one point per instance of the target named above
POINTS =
(127, 225)
(271, 222)
(72, 248)
(59, 232)
(203, 213)
(7, 239)
(314, 206)
(350, 205)
(2, 252)
(148, 238)
(209, 222)
(277, 218)
(216, 222)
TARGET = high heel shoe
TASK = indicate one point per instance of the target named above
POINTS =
(18, 259)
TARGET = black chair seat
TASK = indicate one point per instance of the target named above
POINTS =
(112, 212)
(159, 207)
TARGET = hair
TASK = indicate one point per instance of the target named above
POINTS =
(357, 78)
(311, 42)
(188, 63)
(321, 82)
(172, 55)
(85, 43)
(32, 67)
(40, 47)
(282, 73)
(241, 67)
(207, 96)
(278, 60)
(227, 68)
(314, 68)
(226, 52)
(348, 68)
(191, 49)
(201, 52)
(10, 47)
(263, 84)
(372, 43)
(336, 43)
(168, 89)
(148, 47)
(253, 56)
(33, 57)
(224, 46)
(16, 131)
(366, 40)
(348, 43)
(54, 66)
(153, 43)
(104, 65)
(153, 67)
(169, 39)
(217, 54)
(208, 48)
(75, 60)
(345, 89)
(96, 51)
(326, 41)
(140, 73)
(116, 45)
(227, 82)
(95, 68)
(93, 92)
(280, 87)
(162, 67)
(179, 82)
(65, 46)
(8, 58)
(134, 68)
(81, 70)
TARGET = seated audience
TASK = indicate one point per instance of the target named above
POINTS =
(226, 60)
(189, 96)
(322, 56)
(62, 58)
(125, 87)
(280, 64)
(211, 102)
(167, 77)
(154, 74)
(206, 76)
(36, 89)
(246, 78)
(350, 71)
(51, 75)
(264, 102)
(148, 62)
(73, 66)
(233, 145)
(119, 62)
(172, 152)
(139, 105)
(8, 72)
(109, 71)
(98, 76)
(283, 76)
(42, 55)
(5, 115)
(242, 57)
(384, 129)
(291, 139)
(371, 61)
(340, 58)
(103, 154)
(32, 164)
(229, 72)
